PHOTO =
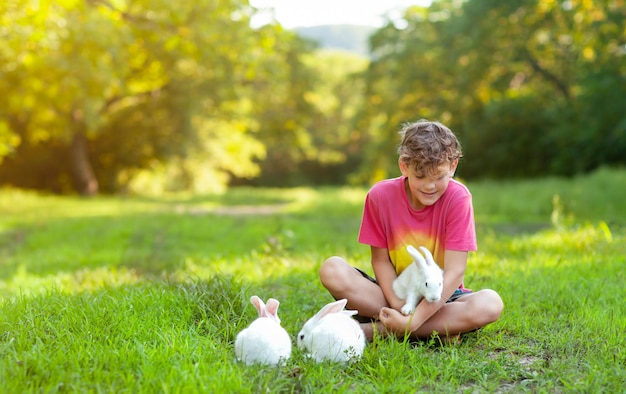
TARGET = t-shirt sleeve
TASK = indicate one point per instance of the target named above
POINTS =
(460, 227)
(372, 231)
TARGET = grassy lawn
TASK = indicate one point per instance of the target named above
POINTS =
(146, 295)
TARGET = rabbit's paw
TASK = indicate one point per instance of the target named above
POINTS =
(407, 309)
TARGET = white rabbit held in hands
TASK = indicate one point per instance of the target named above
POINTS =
(332, 334)
(422, 279)
(265, 341)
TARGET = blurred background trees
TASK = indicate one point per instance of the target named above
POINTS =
(148, 96)
(521, 82)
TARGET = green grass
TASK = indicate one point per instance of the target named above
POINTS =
(146, 295)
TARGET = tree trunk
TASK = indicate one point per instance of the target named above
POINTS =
(84, 178)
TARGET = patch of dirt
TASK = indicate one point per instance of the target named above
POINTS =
(236, 210)
(233, 210)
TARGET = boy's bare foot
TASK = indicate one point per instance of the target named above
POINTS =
(370, 328)
(450, 339)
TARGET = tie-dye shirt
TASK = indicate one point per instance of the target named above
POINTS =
(389, 221)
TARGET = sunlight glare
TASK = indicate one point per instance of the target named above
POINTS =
(291, 14)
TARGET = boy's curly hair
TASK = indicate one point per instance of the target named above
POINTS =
(427, 145)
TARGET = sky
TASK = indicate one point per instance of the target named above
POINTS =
(301, 13)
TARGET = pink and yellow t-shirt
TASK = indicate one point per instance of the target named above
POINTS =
(389, 221)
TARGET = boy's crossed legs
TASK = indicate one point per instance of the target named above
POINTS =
(466, 313)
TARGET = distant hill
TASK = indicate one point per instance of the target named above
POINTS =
(351, 38)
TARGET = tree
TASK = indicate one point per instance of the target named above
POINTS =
(306, 122)
(74, 71)
(407, 80)
(519, 81)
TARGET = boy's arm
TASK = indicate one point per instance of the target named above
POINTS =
(385, 274)
(454, 271)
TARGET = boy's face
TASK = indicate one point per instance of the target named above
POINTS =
(425, 188)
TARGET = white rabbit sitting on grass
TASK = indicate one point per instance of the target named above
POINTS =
(265, 341)
(332, 334)
(422, 279)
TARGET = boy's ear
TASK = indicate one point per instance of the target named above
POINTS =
(403, 167)
(453, 166)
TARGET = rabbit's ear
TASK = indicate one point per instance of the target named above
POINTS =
(333, 307)
(416, 255)
(271, 309)
(258, 304)
(429, 256)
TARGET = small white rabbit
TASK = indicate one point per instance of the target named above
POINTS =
(422, 279)
(332, 334)
(264, 341)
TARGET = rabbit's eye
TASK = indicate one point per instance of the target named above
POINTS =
(426, 284)
(301, 336)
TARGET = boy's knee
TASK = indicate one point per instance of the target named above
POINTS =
(493, 305)
(330, 271)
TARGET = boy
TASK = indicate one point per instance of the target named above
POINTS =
(423, 207)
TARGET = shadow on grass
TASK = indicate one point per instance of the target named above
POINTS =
(156, 239)
(150, 243)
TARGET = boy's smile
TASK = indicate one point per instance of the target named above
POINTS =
(424, 190)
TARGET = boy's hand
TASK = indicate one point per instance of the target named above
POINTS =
(395, 321)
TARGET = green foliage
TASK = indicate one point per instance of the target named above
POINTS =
(166, 82)
(529, 136)
(150, 96)
(147, 295)
(518, 81)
